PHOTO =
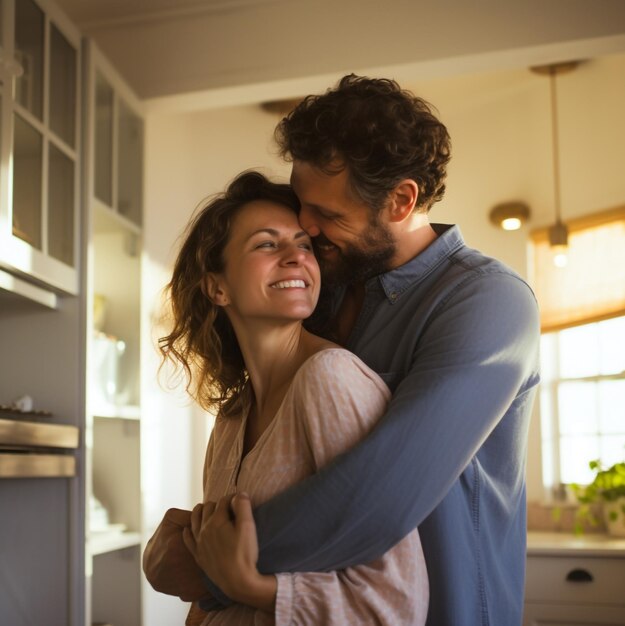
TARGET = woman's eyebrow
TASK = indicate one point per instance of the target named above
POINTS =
(274, 233)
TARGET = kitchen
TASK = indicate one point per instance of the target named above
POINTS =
(197, 136)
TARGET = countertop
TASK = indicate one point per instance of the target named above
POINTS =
(568, 544)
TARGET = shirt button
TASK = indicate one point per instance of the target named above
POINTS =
(393, 295)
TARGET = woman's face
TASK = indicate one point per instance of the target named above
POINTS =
(270, 269)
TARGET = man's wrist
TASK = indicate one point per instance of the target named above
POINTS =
(259, 591)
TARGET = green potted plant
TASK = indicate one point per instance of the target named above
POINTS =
(607, 489)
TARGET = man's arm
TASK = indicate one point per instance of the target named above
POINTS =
(476, 355)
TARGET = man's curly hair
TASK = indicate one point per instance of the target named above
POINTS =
(380, 132)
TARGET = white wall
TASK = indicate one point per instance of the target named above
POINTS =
(500, 128)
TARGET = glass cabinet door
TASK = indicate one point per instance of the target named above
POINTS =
(118, 136)
(39, 179)
(27, 140)
(29, 39)
(27, 168)
(63, 68)
(60, 206)
(129, 164)
(103, 140)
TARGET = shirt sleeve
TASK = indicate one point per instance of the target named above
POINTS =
(337, 400)
(476, 355)
(390, 590)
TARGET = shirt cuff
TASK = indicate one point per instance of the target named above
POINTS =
(284, 600)
(219, 599)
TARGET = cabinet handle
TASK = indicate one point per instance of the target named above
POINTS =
(579, 576)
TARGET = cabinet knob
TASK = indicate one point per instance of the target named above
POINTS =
(579, 576)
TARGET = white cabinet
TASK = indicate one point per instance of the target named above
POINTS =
(576, 582)
(40, 144)
(114, 191)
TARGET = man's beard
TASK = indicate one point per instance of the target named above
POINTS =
(358, 263)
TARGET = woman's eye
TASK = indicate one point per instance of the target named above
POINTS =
(266, 244)
(306, 246)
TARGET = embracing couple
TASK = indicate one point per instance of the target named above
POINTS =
(373, 380)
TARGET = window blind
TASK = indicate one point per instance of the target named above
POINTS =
(592, 285)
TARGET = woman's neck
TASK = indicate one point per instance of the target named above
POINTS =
(272, 355)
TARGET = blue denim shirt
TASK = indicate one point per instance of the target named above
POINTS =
(455, 336)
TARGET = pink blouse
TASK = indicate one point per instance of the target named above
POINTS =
(333, 401)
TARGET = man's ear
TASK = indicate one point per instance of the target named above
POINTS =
(403, 200)
(213, 289)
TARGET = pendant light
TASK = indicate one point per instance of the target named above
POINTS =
(558, 233)
(509, 215)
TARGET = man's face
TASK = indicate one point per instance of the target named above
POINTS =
(352, 242)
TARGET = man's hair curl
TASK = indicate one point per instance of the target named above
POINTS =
(381, 133)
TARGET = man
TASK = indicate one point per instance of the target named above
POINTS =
(453, 333)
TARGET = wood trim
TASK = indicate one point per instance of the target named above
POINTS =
(614, 214)
(550, 328)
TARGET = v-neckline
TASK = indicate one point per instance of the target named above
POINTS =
(242, 458)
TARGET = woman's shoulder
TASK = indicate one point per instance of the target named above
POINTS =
(334, 367)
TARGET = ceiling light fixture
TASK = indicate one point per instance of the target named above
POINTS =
(558, 233)
(509, 215)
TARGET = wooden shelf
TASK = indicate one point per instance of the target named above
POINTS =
(126, 412)
(105, 542)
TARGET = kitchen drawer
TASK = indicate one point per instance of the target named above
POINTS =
(546, 580)
(573, 615)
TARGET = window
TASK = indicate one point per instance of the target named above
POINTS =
(582, 393)
(582, 399)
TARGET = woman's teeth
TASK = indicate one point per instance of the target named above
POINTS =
(286, 284)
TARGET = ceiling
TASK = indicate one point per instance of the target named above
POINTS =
(190, 54)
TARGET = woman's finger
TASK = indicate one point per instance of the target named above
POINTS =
(189, 540)
(222, 513)
(242, 507)
(208, 509)
(196, 519)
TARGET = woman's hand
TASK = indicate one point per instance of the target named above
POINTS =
(223, 541)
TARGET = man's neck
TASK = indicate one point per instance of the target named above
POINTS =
(410, 243)
(348, 312)
(411, 238)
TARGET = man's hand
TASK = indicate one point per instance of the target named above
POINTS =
(223, 541)
(168, 565)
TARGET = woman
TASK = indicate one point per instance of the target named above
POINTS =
(288, 402)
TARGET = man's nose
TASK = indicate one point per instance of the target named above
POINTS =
(308, 222)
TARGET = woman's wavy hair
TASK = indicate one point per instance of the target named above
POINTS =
(380, 132)
(202, 344)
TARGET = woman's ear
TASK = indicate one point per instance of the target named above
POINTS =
(403, 200)
(214, 291)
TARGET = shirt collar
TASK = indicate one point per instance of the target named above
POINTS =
(396, 281)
